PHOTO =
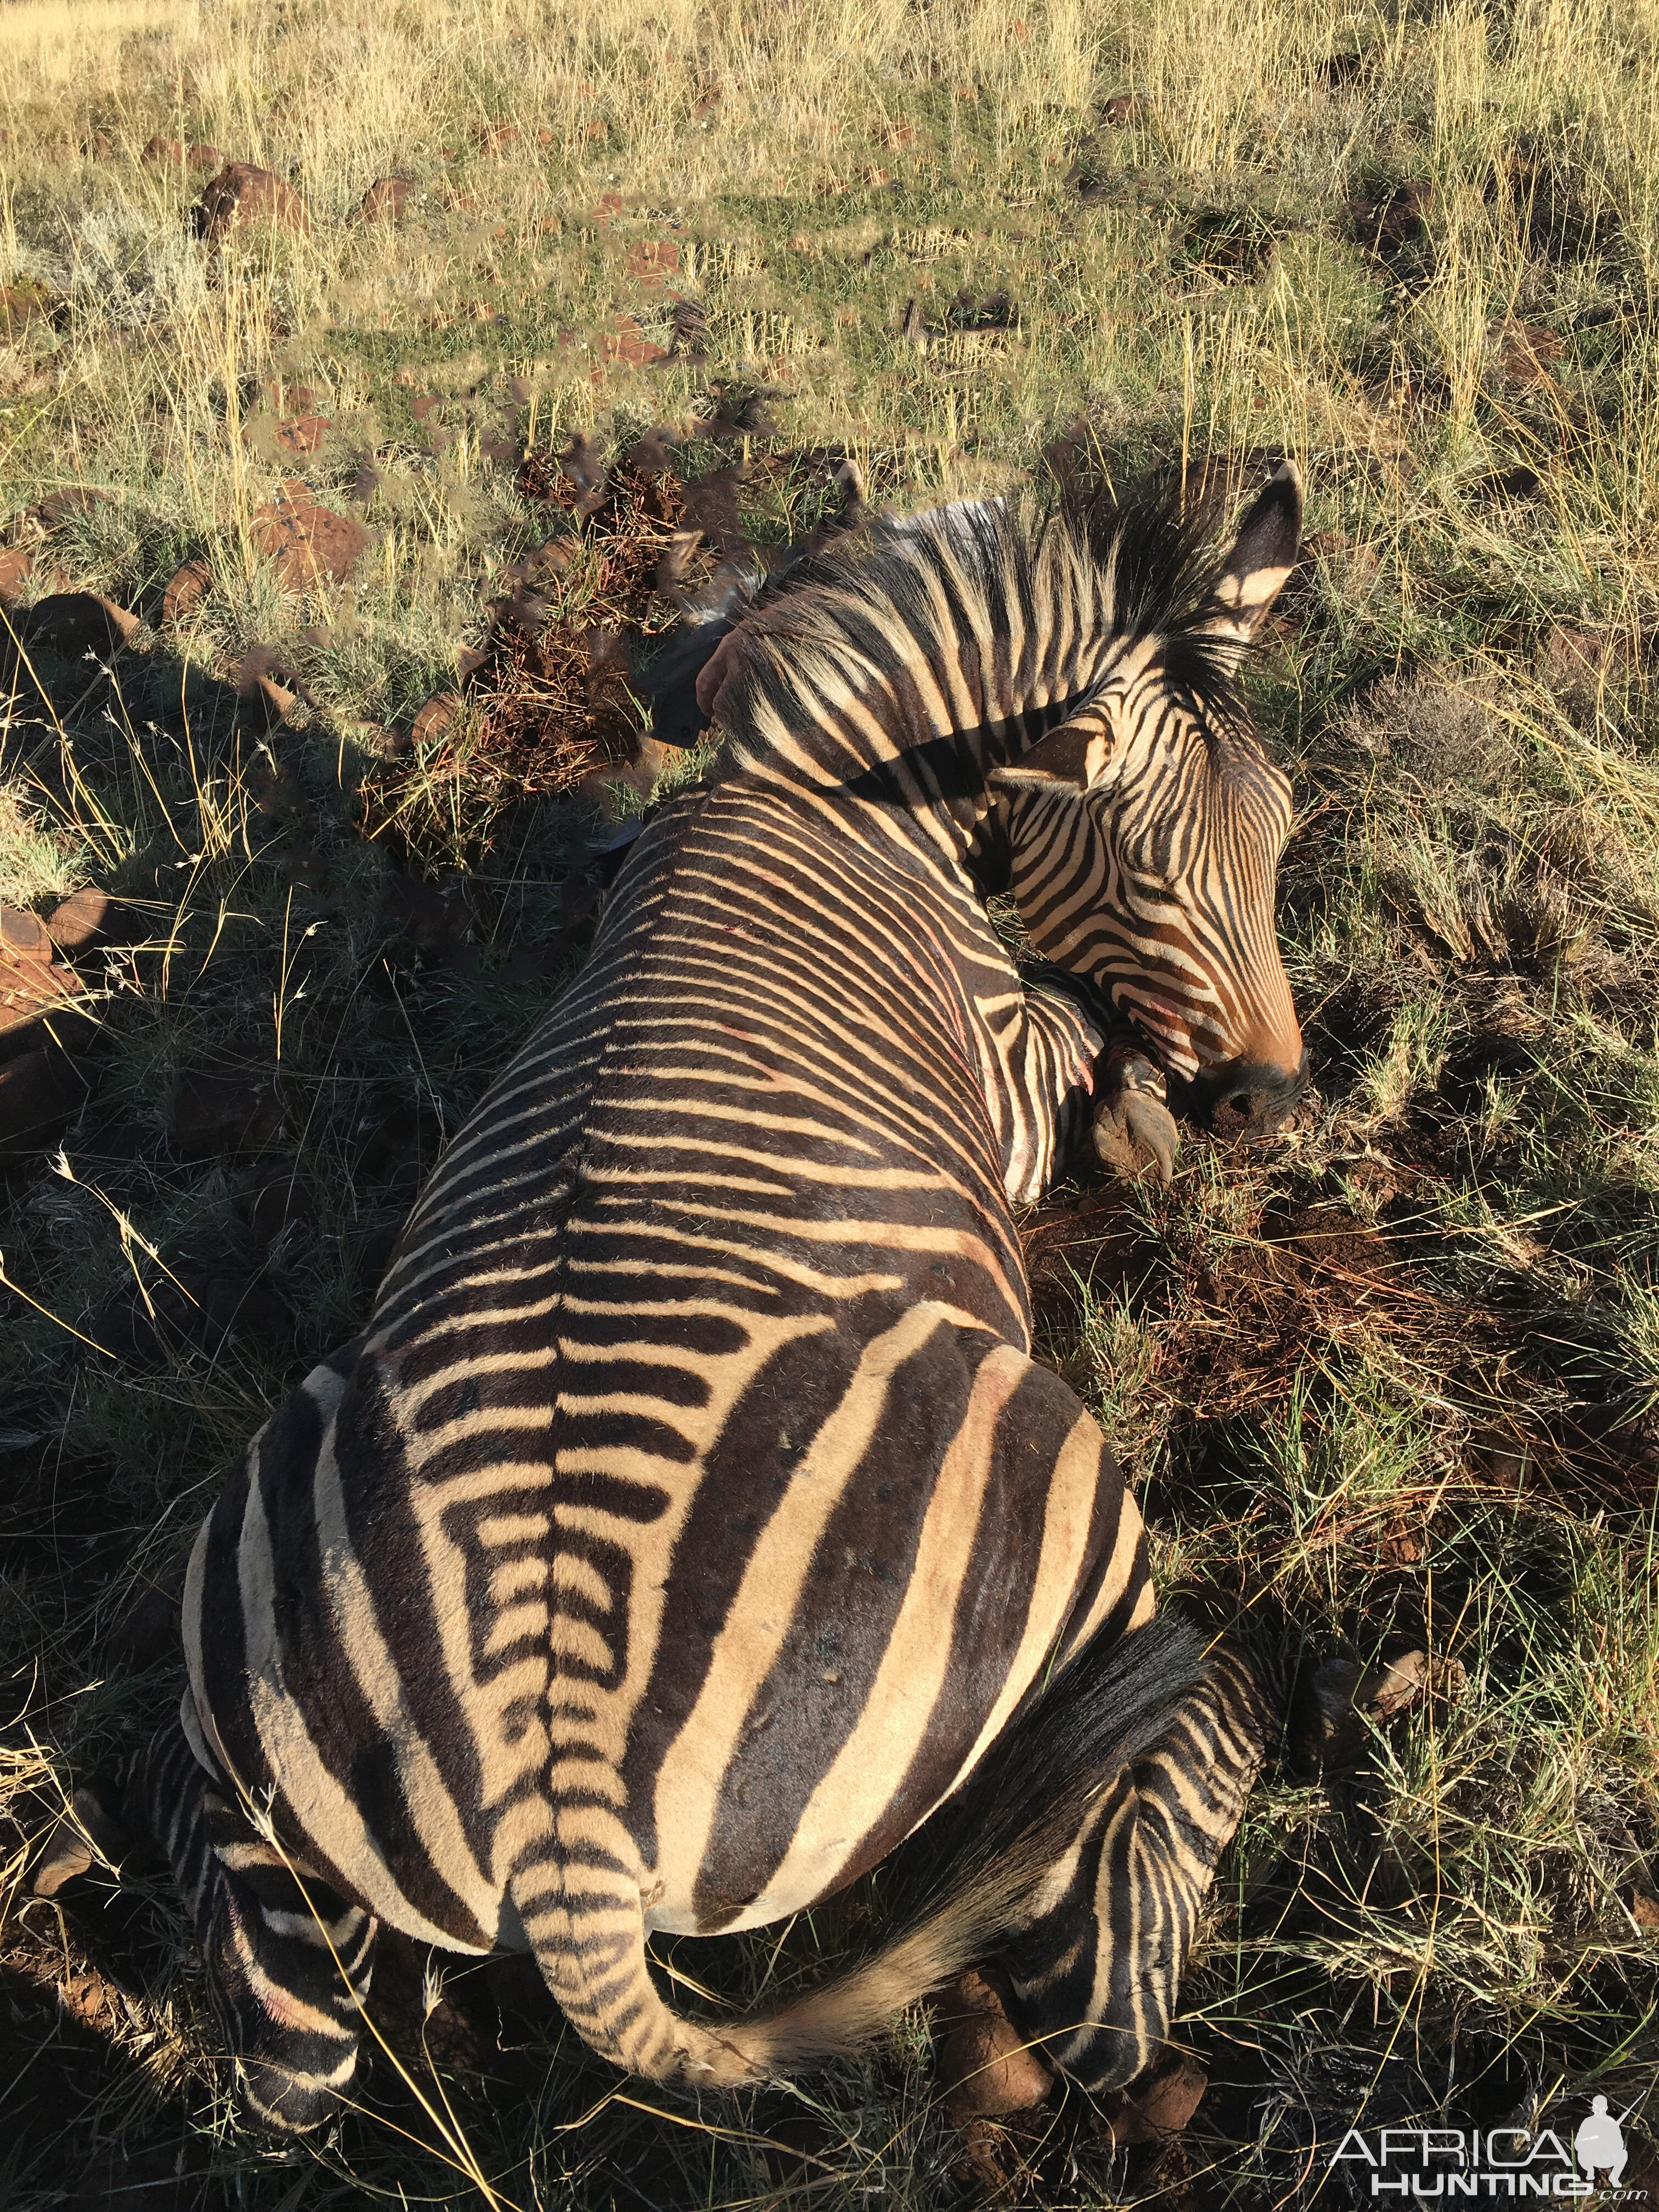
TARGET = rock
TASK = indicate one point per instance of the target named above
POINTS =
(1644, 1910)
(197, 1307)
(58, 507)
(1161, 2103)
(41, 1093)
(1122, 109)
(201, 155)
(185, 590)
(386, 198)
(652, 261)
(627, 344)
(75, 624)
(1526, 355)
(227, 1110)
(16, 562)
(31, 984)
(162, 153)
(305, 543)
(495, 138)
(241, 194)
(985, 2065)
(22, 305)
(68, 1854)
(263, 685)
(23, 935)
(303, 434)
(434, 718)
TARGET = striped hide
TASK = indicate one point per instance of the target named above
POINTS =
(690, 1521)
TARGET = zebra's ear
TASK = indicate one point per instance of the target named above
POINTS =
(1262, 557)
(1076, 753)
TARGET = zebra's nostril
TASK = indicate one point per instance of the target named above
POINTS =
(1242, 1102)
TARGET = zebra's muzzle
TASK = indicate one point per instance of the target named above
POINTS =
(1241, 1098)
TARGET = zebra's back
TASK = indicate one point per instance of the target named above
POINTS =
(673, 1510)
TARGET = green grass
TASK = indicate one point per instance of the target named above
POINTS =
(1392, 1380)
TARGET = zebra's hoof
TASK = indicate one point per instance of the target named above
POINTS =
(1136, 1134)
(1160, 2103)
(1328, 1727)
(985, 2066)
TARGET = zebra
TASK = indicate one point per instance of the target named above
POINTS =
(691, 1524)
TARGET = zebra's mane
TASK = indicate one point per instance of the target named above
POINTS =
(838, 655)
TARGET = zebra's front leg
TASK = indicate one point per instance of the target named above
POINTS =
(1096, 1969)
(1133, 1128)
(288, 1960)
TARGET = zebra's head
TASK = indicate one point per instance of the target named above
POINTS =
(1145, 834)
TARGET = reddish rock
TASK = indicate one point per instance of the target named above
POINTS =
(304, 433)
(386, 198)
(1526, 355)
(41, 1092)
(305, 543)
(1122, 109)
(627, 344)
(101, 147)
(185, 590)
(74, 623)
(16, 562)
(654, 261)
(495, 137)
(262, 685)
(434, 718)
(22, 305)
(1161, 2103)
(31, 984)
(163, 153)
(23, 935)
(67, 1854)
(201, 155)
(61, 506)
(227, 1110)
(82, 920)
(242, 194)
(987, 2069)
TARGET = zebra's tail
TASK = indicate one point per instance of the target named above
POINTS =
(1079, 1849)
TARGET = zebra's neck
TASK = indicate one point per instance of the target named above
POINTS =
(908, 675)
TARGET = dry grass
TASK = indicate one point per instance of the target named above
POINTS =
(1396, 1377)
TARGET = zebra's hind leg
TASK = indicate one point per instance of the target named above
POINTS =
(1096, 1970)
(288, 1960)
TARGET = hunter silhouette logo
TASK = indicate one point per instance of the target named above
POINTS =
(1600, 2142)
(1510, 2162)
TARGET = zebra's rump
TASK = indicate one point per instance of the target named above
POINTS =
(688, 1508)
